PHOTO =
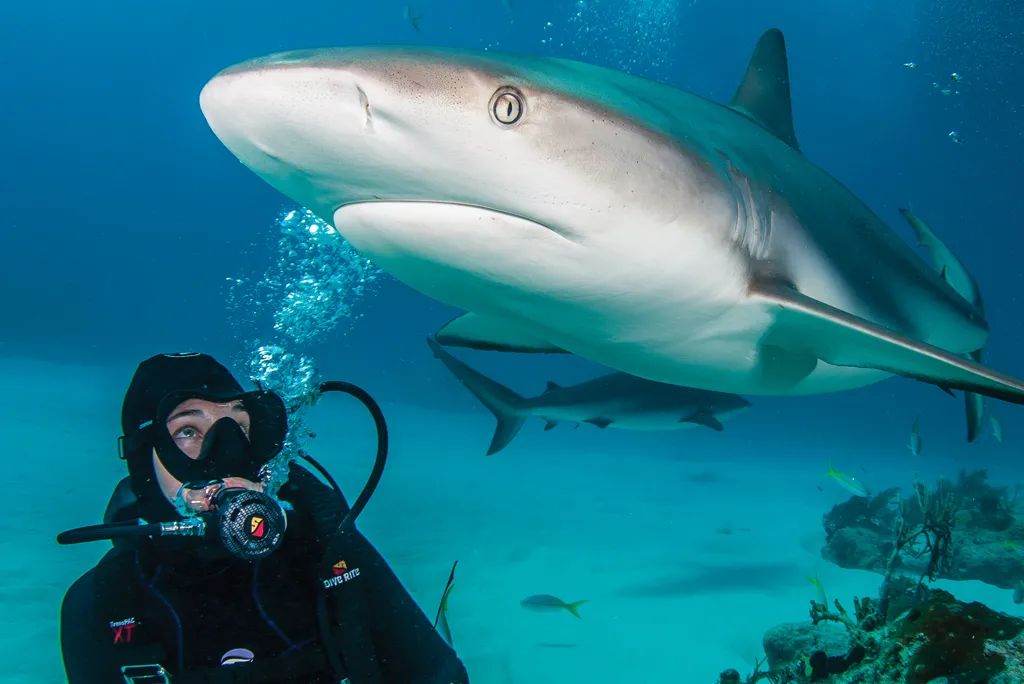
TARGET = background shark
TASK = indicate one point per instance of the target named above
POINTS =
(573, 208)
(616, 400)
(960, 279)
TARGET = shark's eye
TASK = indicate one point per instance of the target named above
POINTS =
(507, 105)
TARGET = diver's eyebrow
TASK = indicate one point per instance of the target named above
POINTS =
(185, 413)
(240, 408)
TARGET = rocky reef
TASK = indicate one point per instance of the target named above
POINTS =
(910, 633)
(935, 639)
(988, 544)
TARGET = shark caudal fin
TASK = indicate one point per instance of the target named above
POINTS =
(499, 400)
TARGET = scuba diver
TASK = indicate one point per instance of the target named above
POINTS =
(219, 573)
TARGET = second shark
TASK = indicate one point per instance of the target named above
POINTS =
(616, 400)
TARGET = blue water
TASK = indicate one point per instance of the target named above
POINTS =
(125, 222)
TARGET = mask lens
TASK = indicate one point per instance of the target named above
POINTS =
(195, 443)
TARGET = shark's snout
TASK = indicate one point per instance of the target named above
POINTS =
(303, 128)
(245, 116)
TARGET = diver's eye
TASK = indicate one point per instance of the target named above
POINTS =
(507, 106)
(186, 433)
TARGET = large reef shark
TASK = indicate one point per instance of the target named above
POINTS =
(960, 279)
(615, 400)
(572, 208)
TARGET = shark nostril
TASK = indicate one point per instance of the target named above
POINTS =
(364, 102)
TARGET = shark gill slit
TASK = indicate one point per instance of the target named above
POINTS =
(364, 101)
(752, 233)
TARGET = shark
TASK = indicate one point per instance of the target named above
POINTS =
(616, 400)
(953, 271)
(571, 208)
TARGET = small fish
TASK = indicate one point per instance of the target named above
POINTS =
(956, 77)
(546, 602)
(847, 481)
(947, 91)
(935, 85)
(955, 137)
(819, 588)
(1012, 546)
(910, 65)
(1018, 592)
(915, 439)
(415, 21)
(997, 428)
(805, 665)
(441, 621)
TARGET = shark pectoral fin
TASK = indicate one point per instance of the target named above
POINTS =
(487, 333)
(763, 95)
(704, 418)
(552, 386)
(599, 422)
(974, 406)
(782, 369)
(550, 424)
(806, 325)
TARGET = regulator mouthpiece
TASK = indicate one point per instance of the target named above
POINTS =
(249, 523)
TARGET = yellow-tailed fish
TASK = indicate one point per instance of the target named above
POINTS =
(915, 439)
(546, 603)
(819, 590)
(847, 481)
(441, 621)
(805, 665)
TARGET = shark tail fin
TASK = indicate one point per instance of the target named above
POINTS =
(574, 608)
(498, 399)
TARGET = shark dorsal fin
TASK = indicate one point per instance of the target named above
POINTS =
(763, 95)
(552, 386)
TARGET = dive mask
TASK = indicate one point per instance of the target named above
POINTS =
(226, 450)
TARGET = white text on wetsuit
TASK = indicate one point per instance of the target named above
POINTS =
(341, 579)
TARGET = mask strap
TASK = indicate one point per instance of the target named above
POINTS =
(127, 444)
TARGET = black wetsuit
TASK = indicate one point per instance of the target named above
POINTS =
(158, 603)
